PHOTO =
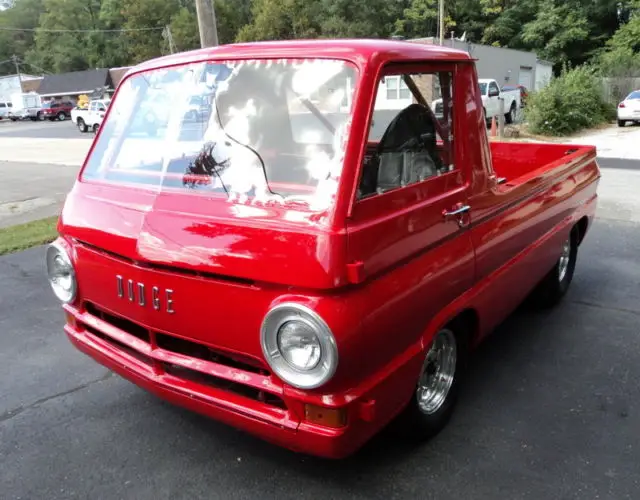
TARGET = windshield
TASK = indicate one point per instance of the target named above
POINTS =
(268, 129)
(634, 95)
(483, 88)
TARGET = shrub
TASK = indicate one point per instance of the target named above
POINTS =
(571, 102)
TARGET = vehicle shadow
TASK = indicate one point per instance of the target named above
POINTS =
(495, 363)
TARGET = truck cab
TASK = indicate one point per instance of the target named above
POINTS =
(300, 261)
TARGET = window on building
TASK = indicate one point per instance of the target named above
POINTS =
(396, 88)
(411, 143)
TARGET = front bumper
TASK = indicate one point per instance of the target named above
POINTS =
(20, 115)
(259, 406)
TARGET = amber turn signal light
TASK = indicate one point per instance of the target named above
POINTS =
(328, 417)
(71, 320)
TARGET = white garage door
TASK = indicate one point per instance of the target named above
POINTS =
(526, 77)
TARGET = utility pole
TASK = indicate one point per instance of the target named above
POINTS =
(207, 23)
(166, 33)
(441, 21)
(15, 61)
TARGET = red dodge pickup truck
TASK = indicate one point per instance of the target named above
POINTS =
(313, 257)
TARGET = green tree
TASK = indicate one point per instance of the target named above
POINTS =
(24, 15)
(231, 16)
(184, 29)
(282, 20)
(420, 19)
(359, 18)
(156, 14)
(67, 51)
(558, 33)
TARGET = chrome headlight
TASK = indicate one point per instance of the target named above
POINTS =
(299, 346)
(61, 273)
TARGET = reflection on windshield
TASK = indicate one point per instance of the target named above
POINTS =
(251, 130)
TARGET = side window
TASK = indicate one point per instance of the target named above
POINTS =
(92, 106)
(411, 132)
(493, 87)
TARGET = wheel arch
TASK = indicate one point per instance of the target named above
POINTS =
(581, 228)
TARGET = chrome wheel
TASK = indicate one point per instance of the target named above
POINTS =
(565, 258)
(438, 373)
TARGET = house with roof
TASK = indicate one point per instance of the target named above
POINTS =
(69, 86)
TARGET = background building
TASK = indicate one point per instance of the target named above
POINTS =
(506, 66)
(15, 84)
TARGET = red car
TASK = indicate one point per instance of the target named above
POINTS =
(56, 110)
(309, 265)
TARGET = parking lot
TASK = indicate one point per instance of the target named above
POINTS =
(41, 130)
(551, 409)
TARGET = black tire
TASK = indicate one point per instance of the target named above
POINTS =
(62, 116)
(622, 123)
(14, 119)
(554, 286)
(414, 423)
(82, 126)
(95, 128)
(510, 117)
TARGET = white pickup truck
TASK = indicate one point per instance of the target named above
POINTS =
(491, 94)
(90, 119)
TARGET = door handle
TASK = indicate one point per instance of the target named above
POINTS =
(457, 213)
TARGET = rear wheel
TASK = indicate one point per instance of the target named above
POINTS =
(622, 123)
(555, 284)
(95, 128)
(61, 116)
(510, 117)
(436, 392)
(82, 126)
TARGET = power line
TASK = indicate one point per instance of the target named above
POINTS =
(45, 30)
(22, 61)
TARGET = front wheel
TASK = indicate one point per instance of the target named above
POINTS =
(61, 116)
(436, 392)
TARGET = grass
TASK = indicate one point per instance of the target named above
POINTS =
(23, 236)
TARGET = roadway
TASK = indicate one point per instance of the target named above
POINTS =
(551, 410)
(41, 130)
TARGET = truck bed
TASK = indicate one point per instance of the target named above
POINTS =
(524, 163)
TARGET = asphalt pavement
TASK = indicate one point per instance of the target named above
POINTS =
(551, 410)
(30, 191)
(45, 129)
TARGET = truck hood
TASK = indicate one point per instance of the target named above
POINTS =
(208, 235)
